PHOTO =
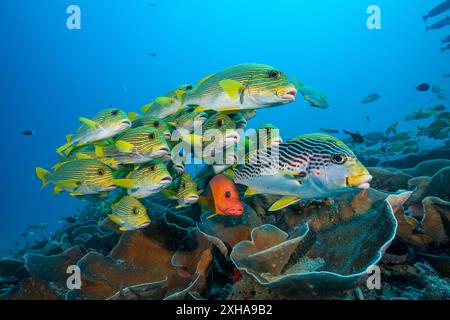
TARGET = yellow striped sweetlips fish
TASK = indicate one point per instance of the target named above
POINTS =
(242, 87)
(311, 166)
(138, 145)
(184, 191)
(104, 125)
(82, 177)
(129, 214)
(168, 104)
(151, 178)
(151, 121)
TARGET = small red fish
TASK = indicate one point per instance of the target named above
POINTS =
(222, 197)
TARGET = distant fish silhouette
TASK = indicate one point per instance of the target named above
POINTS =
(423, 87)
(28, 133)
(439, 25)
(444, 6)
(371, 98)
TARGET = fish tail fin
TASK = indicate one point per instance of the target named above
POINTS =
(68, 143)
(42, 174)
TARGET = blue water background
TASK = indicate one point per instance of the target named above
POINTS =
(51, 75)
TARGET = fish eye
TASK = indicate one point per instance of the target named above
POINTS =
(191, 109)
(338, 159)
(152, 168)
(183, 185)
(227, 194)
(189, 87)
(135, 211)
(151, 136)
(115, 113)
(156, 124)
(100, 172)
(220, 123)
(274, 74)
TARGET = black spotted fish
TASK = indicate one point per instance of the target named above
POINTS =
(242, 87)
(150, 179)
(311, 166)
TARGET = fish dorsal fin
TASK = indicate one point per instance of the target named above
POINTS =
(232, 88)
(164, 101)
(124, 146)
(144, 109)
(284, 202)
(133, 116)
(250, 192)
(90, 123)
(180, 94)
(203, 80)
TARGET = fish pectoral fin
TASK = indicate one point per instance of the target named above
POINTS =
(169, 194)
(115, 219)
(250, 192)
(164, 101)
(90, 123)
(124, 146)
(125, 183)
(232, 88)
(284, 202)
(68, 184)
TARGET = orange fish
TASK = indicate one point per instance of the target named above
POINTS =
(222, 197)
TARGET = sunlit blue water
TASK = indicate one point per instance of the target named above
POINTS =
(51, 75)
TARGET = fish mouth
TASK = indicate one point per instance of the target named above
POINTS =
(144, 224)
(191, 199)
(361, 181)
(290, 95)
(235, 211)
(162, 151)
(232, 138)
(166, 180)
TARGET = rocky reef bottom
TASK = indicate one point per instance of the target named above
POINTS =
(388, 242)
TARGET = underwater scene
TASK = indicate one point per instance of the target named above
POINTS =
(225, 150)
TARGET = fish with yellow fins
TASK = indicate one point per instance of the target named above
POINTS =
(82, 177)
(151, 121)
(150, 179)
(138, 145)
(104, 125)
(168, 104)
(242, 87)
(311, 166)
(184, 191)
(129, 214)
